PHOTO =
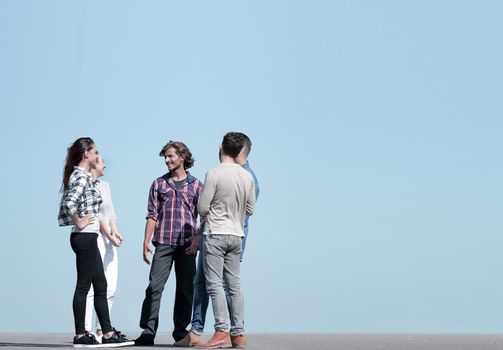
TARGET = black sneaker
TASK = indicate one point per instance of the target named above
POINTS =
(116, 340)
(87, 340)
(144, 340)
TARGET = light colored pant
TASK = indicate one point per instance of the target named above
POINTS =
(109, 257)
(221, 263)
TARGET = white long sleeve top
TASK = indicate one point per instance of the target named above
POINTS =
(107, 211)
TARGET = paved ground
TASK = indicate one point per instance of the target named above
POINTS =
(24, 341)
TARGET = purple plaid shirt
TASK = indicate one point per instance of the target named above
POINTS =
(174, 210)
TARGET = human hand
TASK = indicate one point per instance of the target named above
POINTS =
(83, 222)
(118, 237)
(146, 252)
(194, 244)
(114, 240)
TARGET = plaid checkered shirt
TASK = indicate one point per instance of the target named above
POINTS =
(174, 210)
(81, 197)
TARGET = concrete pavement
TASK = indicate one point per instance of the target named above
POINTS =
(293, 341)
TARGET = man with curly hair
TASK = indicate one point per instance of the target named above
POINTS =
(172, 219)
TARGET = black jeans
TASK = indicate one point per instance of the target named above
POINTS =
(89, 270)
(185, 270)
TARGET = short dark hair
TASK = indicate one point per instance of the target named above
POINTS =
(234, 142)
(247, 145)
(182, 150)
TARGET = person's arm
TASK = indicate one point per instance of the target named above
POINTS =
(110, 213)
(257, 187)
(250, 202)
(203, 206)
(80, 223)
(114, 230)
(109, 234)
(194, 240)
(71, 199)
(149, 229)
(152, 215)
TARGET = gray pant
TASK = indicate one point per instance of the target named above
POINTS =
(221, 263)
(185, 270)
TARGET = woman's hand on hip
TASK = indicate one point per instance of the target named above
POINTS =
(82, 222)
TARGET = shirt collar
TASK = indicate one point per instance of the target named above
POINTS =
(190, 178)
(246, 165)
(83, 170)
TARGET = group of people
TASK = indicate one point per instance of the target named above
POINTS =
(184, 217)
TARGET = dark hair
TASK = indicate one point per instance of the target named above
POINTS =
(234, 142)
(247, 145)
(74, 155)
(182, 150)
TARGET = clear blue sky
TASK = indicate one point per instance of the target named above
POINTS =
(377, 134)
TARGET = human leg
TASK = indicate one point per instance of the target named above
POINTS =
(111, 267)
(233, 285)
(159, 273)
(185, 270)
(100, 296)
(86, 252)
(215, 249)
(88, 322)
(201, 297)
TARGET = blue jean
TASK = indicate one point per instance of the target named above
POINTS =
(243, 245)
(201, 297)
